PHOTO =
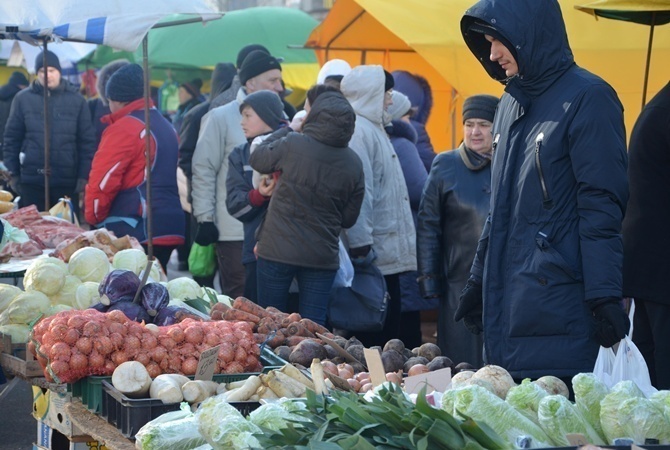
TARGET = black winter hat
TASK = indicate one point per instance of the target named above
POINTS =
(105, 74)
(193, 87)
(126, 84)
(480, 107)
(268, 106)
(242, 54)
(389, 82)
(256, 63)
(18, 79)
(52, 61)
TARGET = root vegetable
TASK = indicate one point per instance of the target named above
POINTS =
(318, 375)
(429, 351)
(243, 393)
(394, 377)
(314, 327)
(395, 344)
(551, 384)
(366, 387)
(345, 371)
(392, 361)
(132, 379)
(283, 351)
(440, 362)
(283, 385)
(354, 383)
(352, 341)
(239, 315)
(414, 361)
(329, 366)
(461, 379)
(298, 329)
(167, 388)
(500, 379)
(417, 369)
(306, 351)
(357, 352)
(266, 393)
(198, 390)
(297, 375)
(246, 305)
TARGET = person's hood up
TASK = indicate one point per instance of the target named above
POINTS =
(364, 88)
(536, 31)
(105, 73)
(331, 120)
(401, 129)
(418, 90)
(334, 67)
(222, 78)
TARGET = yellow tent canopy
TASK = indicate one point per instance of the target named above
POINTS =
(425, 38)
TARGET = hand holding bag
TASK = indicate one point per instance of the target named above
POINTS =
(363, 306)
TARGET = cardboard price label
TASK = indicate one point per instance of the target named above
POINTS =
(438, 380)
(207, 364)
(375, 366)
(577, 439)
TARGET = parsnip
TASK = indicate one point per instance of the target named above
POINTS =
(296, 374)
(198, 390)
(318, 376)
(235, 384)
(283, 385)
(167, 387)
(243, 393)
(265, 392)
(221, 389)
(132, 379)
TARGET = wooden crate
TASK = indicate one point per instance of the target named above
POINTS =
(16, 359)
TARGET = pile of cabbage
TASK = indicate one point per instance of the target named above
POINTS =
(534, 413)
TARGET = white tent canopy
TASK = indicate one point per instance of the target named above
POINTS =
(121, 24)
(22, 54)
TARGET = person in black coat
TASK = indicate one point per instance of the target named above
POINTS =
(72, 138)
(646, 242)
(17, 81)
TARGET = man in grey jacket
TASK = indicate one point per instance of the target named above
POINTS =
(220, 133)
(385, 224)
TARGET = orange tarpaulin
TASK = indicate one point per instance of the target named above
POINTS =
(424, 37)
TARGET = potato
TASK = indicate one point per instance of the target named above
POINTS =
(429, 351)
(414, 361)
(395, 344)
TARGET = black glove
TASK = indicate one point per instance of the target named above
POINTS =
(359, 252)
(470, 307)
(207, 234)
(612, 322)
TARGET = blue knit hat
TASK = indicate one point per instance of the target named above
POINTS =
(126, 84)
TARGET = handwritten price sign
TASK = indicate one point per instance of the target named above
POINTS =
(207, 364)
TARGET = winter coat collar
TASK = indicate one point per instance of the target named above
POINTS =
(121, 113)
(62, 87)
(470, 160)
(402, 129)
(537, 32)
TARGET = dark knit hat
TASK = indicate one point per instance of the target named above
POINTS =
(268, 106)
(126, 84)
(18, 79)
(52, 61)
(389, 82)
(480, 107)
(193, 86)
(256, 63)
(246, 50)
(105, 74)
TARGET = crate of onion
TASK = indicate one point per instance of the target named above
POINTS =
(75, 344)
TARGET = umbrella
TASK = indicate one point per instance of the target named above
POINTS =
(197, 45)
(645, 12)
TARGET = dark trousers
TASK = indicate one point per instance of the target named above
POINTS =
(231, 270)
(250, 282)
(651, 334)
(393, 324)
(32, 194)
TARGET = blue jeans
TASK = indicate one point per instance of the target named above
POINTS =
(274, 280)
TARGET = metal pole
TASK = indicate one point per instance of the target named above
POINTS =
(147, 148)
(47, 130)
(646, 68)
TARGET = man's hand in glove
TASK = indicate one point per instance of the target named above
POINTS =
(612, 323)
(207, 234)
(470, 307)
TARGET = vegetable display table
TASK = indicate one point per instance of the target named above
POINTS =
(97, 427)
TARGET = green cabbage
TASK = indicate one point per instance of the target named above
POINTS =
(589, 392)
(558, 417)
(7, 294)
(275, 415)
(59, 307)
(20, 333)
(224, 427)
(177, 430)
(662, 401)
(86, 295)
(481, 405)
(47, 260)
(66, 295)
(641, 419)
(525, 398)
(609, 408)
(183, 288)
(25, 308)
(89, 264)
(130, 259)
(45, 277)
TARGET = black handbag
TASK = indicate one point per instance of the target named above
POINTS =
(363, 306)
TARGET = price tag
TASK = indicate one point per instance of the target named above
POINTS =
(576, 439)
(375, 366)
(207, 364)
(438, 380)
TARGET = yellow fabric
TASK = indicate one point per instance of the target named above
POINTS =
(626, 5)
(424, 37)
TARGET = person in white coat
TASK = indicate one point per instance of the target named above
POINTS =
(385, 223)
(221, 131)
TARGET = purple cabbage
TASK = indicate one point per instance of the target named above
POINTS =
(99, 307)
(133, 311)
(118, 286)
(153, 297)
(172, 314)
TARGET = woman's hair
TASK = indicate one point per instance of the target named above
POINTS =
(318, 89)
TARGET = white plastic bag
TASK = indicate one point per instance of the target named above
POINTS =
(627, 364)
(345, 274)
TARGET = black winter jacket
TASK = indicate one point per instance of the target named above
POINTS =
(320, 188)
(7, 93)
(72, 136)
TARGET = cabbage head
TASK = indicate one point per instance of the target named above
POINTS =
(7, 294)
(46, 278)
(223, 427)
(641, 419)
(20, 333)
(662, 401)
(183, 288)
(89, 264)
(25, 308)
(176, 430)
(57, 308)
(525, 398)
(275, 416)
(130, 259)
(589, 392)
(558, 417)
(481, 405)
(86, 295)
(66, 295)
(609, 408)
(47, 260)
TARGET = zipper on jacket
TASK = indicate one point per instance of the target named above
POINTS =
(547, 202)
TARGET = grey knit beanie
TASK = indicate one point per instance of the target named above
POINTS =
(480, 107)
(268, 106)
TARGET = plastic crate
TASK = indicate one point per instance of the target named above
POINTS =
(270, 358)
(129, 415)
